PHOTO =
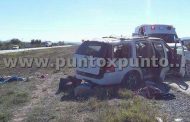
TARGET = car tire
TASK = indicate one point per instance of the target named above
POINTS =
(132, 81)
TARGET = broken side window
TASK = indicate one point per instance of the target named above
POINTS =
(123, 51)
(159, 50)
(144, 50)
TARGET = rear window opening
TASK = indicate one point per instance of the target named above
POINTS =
(95, 49)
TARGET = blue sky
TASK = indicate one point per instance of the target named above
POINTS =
(73, 20)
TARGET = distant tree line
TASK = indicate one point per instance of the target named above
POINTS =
(36, 43)
(9, 44)
(5, 45)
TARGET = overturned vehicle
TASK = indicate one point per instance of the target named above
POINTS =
(126, 62)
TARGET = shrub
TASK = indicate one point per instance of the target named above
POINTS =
(125, 94)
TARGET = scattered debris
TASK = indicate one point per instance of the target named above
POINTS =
(41, 76)
(152, 92)
(149, 92)
(178, 120)
(159, 119)
(7, 79)
(83, 90)
(67, 83)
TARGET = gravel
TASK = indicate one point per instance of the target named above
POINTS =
(177, 110)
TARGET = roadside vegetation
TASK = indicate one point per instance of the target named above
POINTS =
(7, 45)
(13, 96)
(35, 100)
(129, 108)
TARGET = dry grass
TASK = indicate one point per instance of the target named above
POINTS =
(12, 97)
(106, 105)
(127, 107)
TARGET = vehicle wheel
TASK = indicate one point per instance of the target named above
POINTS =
(132, 81)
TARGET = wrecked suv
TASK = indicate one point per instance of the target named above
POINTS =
(120, 48)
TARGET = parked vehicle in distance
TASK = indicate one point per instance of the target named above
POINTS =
(165, 32)
(130, 77)
(15, 47)
(48, 44)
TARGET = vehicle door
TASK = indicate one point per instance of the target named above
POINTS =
(162, 60)
(144, 53)
(180, 59)
(122, 51)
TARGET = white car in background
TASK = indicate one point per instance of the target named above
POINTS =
(15, 47)
(48, 44)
